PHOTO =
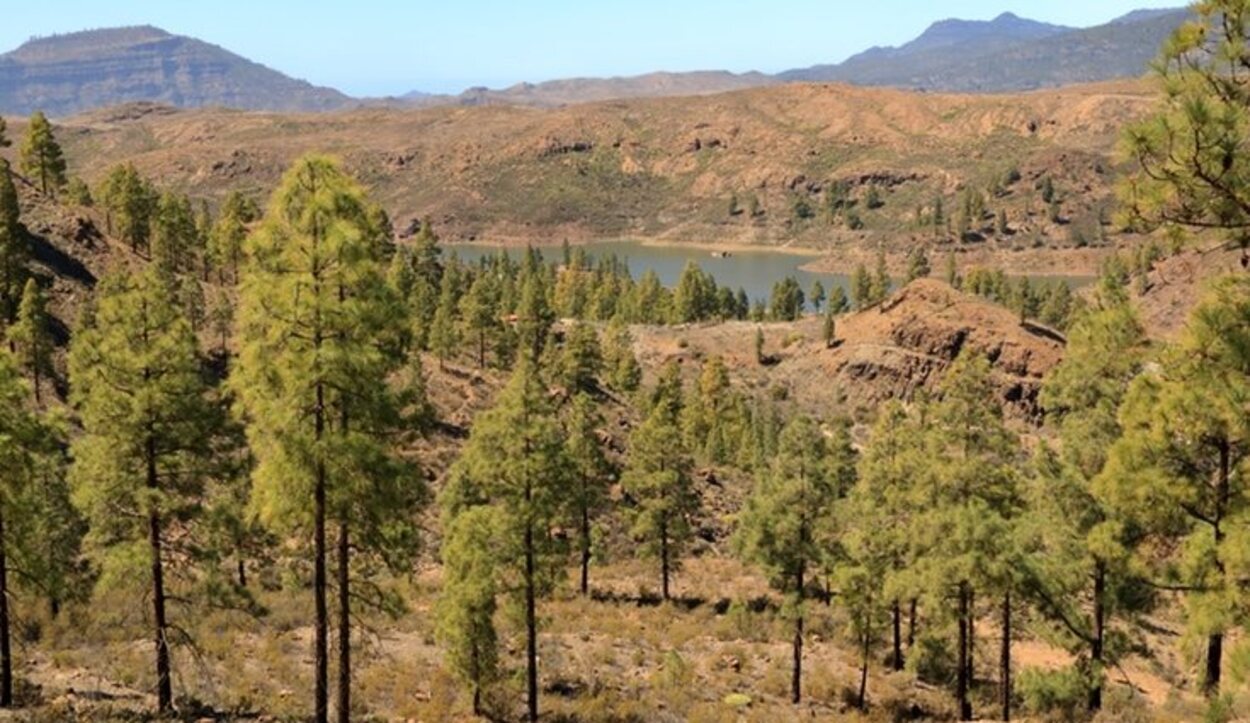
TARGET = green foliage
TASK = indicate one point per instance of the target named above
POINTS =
(14, 247)
(1053, 693)
(917, 264)
(861, 288)
(130, 202)
(31, 336)
(786, 301)
(41, 155)
(658, 478)
(467, 601)
(838, 303)
(78, 193)
(1180, 469)
(816, 294)
(581, 358)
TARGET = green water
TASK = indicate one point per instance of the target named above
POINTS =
(753, 270)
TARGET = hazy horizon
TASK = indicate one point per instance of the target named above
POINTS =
(384, 47)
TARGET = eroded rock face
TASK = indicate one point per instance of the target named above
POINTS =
(65, 74)
(906, 344)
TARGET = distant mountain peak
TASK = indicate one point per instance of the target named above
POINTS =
(1007, 53)
(72, 72)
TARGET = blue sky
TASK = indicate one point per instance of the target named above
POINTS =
(378, 47)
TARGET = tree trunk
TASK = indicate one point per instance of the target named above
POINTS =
(972, 635)
(164, 683)
(481, 350)
(6, 653)
(863, 674)
(1215, 641)
(37, 378)
(1215, 651)
(345, 628)
(1005, 659)
(796, 682)
(664, 559)
(585, 551)
(242, 572)
(896, 659)
(1096, 646)
(321, 687)
(531, 627)
(961, 678)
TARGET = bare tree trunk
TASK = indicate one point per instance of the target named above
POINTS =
(531, 628)
(863, 673)
(1005, 659)
(1096, 647)
(585, 550)
(321, 622)
(796, 683)
(896, 659)
(664, 559)
(164, 683)
(345, 627)
(961, 678)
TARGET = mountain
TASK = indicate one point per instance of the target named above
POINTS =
(588, 90)
(1007, 54)
(64, 74)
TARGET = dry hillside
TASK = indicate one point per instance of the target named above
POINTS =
(663, 168)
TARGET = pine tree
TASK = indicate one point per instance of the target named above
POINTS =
(657, 476)
(861, 288)
(838, 303)
(479, 313)
(952, 271)
(817, 295)
(130, 203)
(175, 237)
(880, 285)
(591, 471)
(515, 463)
(1180, 468)
(427, 254)
(227, 235)
(32, 337)
(623, 371)
(41, 155)
(4, 139)
(829, 329)
(14, 247)
(138, 388)
(971, 493)
(468, 599)
(444, 331)
(780, 523)
(1088, 543)
(1203, 111)
(581, 360)
(24, 439)
(917, 264)
(311, 381)
(880, 518)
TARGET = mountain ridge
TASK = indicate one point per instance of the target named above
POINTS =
(68, 73)
(71, 72)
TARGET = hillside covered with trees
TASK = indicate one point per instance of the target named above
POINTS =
(267, 460)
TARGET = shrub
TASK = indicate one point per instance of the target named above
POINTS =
(1054, 694)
